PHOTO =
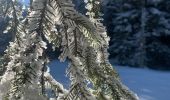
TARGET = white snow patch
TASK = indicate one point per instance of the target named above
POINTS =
(148, 84)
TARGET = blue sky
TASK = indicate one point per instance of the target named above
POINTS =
(26, 1)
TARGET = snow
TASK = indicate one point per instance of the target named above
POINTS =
(148, 84)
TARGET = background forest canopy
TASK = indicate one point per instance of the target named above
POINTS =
(139, 31)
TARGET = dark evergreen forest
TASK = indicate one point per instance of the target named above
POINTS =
(139, 31)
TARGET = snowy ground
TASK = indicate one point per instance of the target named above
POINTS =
(148, 84)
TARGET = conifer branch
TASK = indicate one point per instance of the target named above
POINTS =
(79, 89)
(83, 42)
(105, 80)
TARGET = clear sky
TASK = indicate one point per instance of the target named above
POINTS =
(26, 2)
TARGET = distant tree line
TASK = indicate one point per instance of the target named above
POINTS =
(139, 31)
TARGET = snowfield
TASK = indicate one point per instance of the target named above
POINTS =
(147, 84)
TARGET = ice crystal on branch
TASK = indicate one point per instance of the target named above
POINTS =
(83, 43)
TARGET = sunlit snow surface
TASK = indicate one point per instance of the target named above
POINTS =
(148, 84)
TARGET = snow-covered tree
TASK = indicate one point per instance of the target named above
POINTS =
(83, 42)
(137, 28)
